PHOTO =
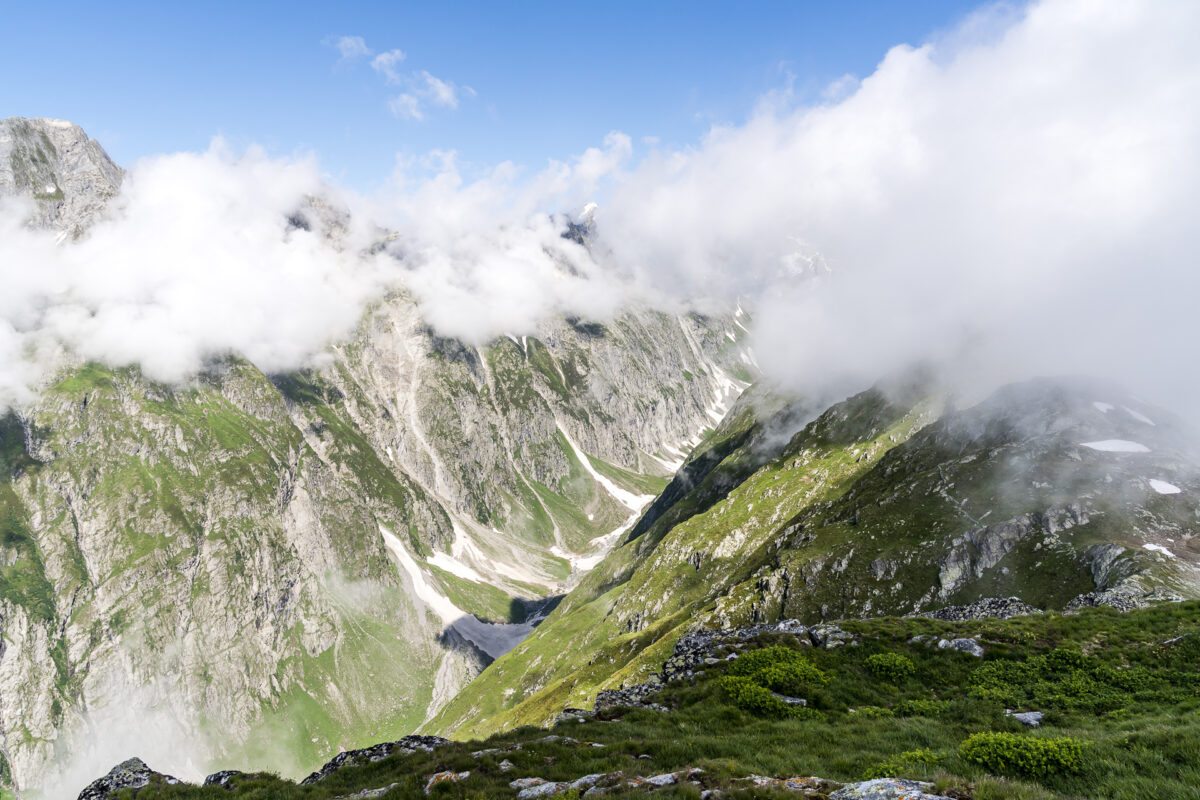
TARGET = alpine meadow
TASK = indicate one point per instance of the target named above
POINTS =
(690, 401)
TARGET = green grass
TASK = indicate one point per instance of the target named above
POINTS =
(631, 481)
(483, 600)
(1150, 748)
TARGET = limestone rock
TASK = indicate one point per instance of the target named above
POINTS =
(887, 789)
(367, 755)
(445, 777)
(131, 774)
(987, 608)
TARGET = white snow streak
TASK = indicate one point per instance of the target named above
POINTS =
(1103, 408)
(634, 502)
(493, 639)
(1158, 548)
(1162, 487)
(1117, 446)
(1137, 416)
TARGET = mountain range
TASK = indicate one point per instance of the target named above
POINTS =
(420, 535)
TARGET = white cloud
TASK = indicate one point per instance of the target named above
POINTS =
(386, 64)
(1019, 194)
(439, 92)
(406, 106)
(197, 261)
(421, 90)
(351, 47)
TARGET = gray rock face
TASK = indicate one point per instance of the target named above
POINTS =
(975, 552)
(68, 177)
(131, 774)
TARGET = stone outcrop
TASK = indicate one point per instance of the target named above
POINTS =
(131, 774)
(1127, 597)
(367, 755)
(710, 647)
(987, 608)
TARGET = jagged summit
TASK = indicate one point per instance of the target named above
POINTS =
(52, 162)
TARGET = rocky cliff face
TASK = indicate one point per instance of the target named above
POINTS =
(282, 566)
(1060, 493)
(66, 176)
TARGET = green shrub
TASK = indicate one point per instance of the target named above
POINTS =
(903, 764)
(892, 667)
(920, 708)
(779, 669)
(749, 696)
(1014, 754)
(874, 712)
(1068, 680)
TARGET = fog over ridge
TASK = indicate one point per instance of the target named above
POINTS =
(1014, 197)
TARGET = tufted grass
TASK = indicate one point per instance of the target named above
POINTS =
(1149, 747)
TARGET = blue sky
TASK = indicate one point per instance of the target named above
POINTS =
(548, 79)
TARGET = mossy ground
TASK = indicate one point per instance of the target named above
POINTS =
(1148, 747)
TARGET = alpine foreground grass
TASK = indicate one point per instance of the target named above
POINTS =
(1120, 694)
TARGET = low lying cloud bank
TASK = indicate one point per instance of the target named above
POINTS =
(1016, 196)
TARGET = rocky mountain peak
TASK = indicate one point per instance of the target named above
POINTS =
(52, 162)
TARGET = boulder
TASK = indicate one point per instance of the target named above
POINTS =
(222, 778)
(131, 774)
(887, 789)
(377, 752)
(968, 646)
(445, 777)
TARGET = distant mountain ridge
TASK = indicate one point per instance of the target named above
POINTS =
(276, 566)
(1062, 493)
(52, 162)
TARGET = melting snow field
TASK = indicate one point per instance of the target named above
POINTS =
(1103, 408)
(492, 638)
(1162, 487)
(634, 502)
(1158, 548)
(1137, 416)
(1117, 446)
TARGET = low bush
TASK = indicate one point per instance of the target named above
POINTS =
(892, 667)
(905, 763)
(779, 669)
(1019, 755)
(749, 696)
(1071, 681)
(874, 712)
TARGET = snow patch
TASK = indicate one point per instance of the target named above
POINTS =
(492, 638)
(634, 502)
(1117, 446)
(1162, 487)
(1103, 408)
(1137, 416)
(1158, 548)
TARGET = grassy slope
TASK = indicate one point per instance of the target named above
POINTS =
(1143, 742)
(585, 646)
(857, 515)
